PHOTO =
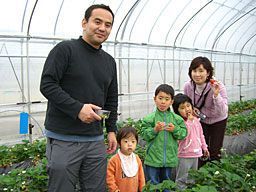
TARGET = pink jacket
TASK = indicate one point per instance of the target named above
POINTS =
(193, 144)
(215, 109)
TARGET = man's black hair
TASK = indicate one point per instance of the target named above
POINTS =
(89, 10)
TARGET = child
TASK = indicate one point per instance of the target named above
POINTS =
(191, 147)
(125, 170)
(161, 130)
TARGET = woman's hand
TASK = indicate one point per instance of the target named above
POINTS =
(196, 112)
(215, 85)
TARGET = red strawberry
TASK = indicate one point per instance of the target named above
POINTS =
(212, 81)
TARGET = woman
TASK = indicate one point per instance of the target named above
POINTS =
(211, 104)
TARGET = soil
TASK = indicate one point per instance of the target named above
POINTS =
(240, 144)
(23, 165)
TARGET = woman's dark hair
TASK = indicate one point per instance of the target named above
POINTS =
(166, 89)
(125, 132)
(196, 62)
(89, 10)
(179, 99)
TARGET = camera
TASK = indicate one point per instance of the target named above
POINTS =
(201, 115)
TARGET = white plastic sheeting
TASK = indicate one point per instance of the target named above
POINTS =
(152, 41)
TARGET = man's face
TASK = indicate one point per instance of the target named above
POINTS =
(98, 27)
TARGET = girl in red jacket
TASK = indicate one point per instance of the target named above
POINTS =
(125, 170)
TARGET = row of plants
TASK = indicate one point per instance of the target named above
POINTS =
(20, 152)
(239, 123)
(11, 156)
(216, 176)
(241, 106)
(233, 173)
(32, 179)
(242, 117)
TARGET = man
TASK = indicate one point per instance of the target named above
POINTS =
(78, 79)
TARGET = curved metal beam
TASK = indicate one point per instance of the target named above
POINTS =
(254, 43)
(31, 16)
(121, 2)
(206, 21)
(242, 35)
(23, 17)
(174, 44)
(22, 64)
(157, 18)
(240, 64)
(28, 71)
(136, 20)
(241, 51)
(187, 27)
(221, 19)
(125, 17)
(176, 18)
(215, 41)
(57, 18)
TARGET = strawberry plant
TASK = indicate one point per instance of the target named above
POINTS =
(21, 152)
(239, 123)
(240, 106)
(32, 179)
(233, 173)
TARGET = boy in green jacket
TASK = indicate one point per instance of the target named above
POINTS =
(161, 130)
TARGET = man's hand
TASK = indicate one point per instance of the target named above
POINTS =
(112, 143)
(87, 113)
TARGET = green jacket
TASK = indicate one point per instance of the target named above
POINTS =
(162, 147)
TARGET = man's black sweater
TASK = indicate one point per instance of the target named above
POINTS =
(75, 73)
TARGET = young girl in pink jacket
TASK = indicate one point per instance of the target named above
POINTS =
(193, 146)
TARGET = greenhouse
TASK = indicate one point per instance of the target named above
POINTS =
(152, 42)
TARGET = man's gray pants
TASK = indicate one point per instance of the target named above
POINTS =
(70, 162)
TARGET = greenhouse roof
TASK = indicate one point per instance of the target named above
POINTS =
(218, 25)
